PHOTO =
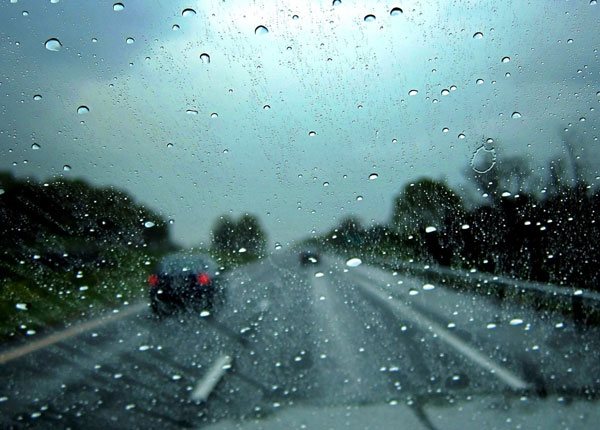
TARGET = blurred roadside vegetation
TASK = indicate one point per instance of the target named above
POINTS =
(543, 229)
(237, 242)
(71, 251)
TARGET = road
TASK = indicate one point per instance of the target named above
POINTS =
(317, 346)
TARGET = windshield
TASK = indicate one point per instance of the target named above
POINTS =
(388, 212)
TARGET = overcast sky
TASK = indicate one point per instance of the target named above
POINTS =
(327, 71)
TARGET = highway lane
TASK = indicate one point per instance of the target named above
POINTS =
(319, 338)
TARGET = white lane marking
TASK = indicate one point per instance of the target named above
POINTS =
(446, 336)
(60, 336)
(206, 385)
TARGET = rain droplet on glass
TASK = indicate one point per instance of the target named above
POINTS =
(261, 30)
(205, 58)
(53, 44)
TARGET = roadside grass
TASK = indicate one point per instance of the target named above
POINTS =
(48, 298)
(44, 298)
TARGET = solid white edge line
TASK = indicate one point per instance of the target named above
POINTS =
(446, 336)
(206, 385)
(60, 336)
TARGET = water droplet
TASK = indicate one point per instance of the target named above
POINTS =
(66, 168)
(452, 87)
(396, 11)
(204, 313)
(412, 292)
(205, 58)
(175, 27)
(413, 92)
(325, 184)
(369, 18)
(214, 115)
(169, 145)
(461, 136)
(37, 97)
(25, 13)
(445, 130)
(242, 250)
(94, 40)
(483, 160)
(118, 7)
(516, 115)
(35, 146)
(465, 226)
(506, 59)
(353, 262)
(319, 275)
(336, 2)
(359, 198)
(592, 2)
(81, 110)
(295, 17)
(188, 12)
(149, 224)
(261, 30)
(266, 107)
(394, 140)
(428, 287)
(490, 326)
(430, 229)
(191, 112)
(569, 41)
(445, 92)
(479, 81)
(277, 245)
(171, 221)
(373, 176)
(312, 133)
(129, 40)
(21, 306)
(144, 348)
(516, 321)
(53, 45)
(478, 35)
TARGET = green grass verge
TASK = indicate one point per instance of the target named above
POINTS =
(48, 298)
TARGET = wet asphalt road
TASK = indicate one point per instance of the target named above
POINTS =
(318, 336)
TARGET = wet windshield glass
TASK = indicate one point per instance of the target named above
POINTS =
(384, 212)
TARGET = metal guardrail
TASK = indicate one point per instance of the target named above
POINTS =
(583, 305)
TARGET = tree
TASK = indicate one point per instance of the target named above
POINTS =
(231, 236)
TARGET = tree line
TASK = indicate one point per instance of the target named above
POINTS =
(536, 229)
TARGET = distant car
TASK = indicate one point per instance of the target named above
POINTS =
(184, 281)
(309, 257)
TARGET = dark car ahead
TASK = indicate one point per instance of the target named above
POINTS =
(309, 257)
(184, 281)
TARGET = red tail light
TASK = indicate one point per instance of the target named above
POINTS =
(153, 280)
(203, 279)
